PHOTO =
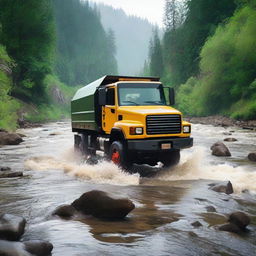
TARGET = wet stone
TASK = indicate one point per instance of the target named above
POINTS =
(11, 227)
(226, 188)
(4, 168)
(65, 211)
(230, 139)
(38, 247)
(99, 204)
(210, 208)
(7, 138)
(196, 224)
(8, 248)
(220, 149)
(252, 157)
(9, 174)
(240, 219)
(229, 227)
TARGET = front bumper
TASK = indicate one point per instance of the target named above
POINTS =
(155, 144)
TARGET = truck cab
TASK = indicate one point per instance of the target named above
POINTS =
(131, 119)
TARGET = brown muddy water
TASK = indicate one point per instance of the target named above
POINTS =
(166, 204)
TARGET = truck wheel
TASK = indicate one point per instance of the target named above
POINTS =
(118, 156)
(171, 158)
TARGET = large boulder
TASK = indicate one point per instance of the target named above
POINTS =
(7, 138)
(99, 204)
(220, 149)
(224, 187)
(240, 219)
(11, 227)
(252, 157)
(38, 247)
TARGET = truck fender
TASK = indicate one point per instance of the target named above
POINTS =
(116, 134)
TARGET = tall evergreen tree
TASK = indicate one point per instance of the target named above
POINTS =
(28, 35)
(84, 50)
(156, 58)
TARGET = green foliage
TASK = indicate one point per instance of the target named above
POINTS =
(85, 51)
(8, 106)
(182, 44)
(228, 62)
(28, 34)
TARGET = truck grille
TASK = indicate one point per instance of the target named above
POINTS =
(163, 124)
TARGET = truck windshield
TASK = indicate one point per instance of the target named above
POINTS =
(141, 94)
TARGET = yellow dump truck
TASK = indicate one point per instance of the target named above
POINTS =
(129, 119)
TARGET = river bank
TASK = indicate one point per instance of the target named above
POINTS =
(223, 121)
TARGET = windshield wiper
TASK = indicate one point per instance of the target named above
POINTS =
(129, 101)
(155, 102)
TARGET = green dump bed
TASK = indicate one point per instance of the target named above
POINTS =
(83, 107)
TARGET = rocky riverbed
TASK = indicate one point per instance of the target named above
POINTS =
(191, 209)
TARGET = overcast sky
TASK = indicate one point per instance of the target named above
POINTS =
(149, 9)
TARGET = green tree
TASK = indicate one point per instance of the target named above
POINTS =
(84, 50)
(28, 34)
(182, 45)
(155, 56)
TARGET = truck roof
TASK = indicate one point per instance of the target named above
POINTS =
(91, 88)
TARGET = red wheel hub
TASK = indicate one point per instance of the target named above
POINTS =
(115, 157)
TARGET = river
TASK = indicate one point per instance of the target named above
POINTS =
(166, 204)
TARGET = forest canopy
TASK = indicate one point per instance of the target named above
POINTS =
(209, 56)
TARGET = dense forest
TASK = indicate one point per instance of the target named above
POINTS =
(45, 46)
(50, 47)
(208, 55)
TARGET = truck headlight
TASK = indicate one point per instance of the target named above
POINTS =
(136, 130)
(186, 129)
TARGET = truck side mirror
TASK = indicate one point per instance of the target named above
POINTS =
(171, 96)
(102, 97)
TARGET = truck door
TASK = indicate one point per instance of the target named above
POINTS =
(109, 116)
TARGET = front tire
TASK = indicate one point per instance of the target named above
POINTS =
(118, 155)
(171, 158)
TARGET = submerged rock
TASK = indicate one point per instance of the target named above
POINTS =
(11, 227)
(29, 248)
(223, 188)
(99, 204)
(7, 138)
(196, 224)
(210, 208)
(4, 168)
(238, 221)
(65, 211)
(38, 247)
(230, 139)
(8, 248)
(229, 227)
(9, 174)
(252, 157)
(220, 149)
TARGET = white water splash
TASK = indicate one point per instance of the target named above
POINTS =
(196, 166)
(104, 172)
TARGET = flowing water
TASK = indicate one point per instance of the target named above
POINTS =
(166, 204)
